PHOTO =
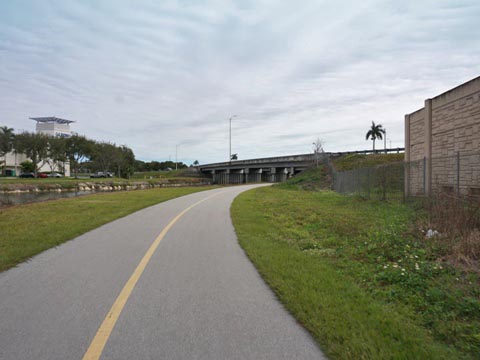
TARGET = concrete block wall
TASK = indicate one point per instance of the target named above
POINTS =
(415, 143)
(417, 135)
(446, 133)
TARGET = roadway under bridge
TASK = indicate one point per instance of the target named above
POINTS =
(271, 169)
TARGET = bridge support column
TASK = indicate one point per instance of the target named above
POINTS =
(247, 175)
(291, 172)
(283, 175)
(214, 177)
(226, 177)
(258, 175)
(273, 175)
(241, 177)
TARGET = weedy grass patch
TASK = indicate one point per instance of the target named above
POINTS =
(359, 275)
(314, 178)
(356, 161)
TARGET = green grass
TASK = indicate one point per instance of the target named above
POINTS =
(180, 173)
(148, 174)
(354, 275)
(314, 178)
(27, 230)
(355, 161)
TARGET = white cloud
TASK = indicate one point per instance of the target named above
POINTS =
(155, 74)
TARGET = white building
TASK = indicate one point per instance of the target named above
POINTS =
(51, 126)
(13, 161)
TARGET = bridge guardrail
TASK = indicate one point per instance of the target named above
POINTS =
(295, 158)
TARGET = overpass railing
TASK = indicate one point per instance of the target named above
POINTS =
(295, 158)
(269, 160)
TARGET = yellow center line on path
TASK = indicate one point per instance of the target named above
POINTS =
(97, 345)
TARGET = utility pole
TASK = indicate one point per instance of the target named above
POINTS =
(230, 152)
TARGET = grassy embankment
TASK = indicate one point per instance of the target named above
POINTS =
(373, 176)
(180, 173)
(27, 230)
(358, 275)
(355, 161)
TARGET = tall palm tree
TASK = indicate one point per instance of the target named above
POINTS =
(7, 138)
(375, 132)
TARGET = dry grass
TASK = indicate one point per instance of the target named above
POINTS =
(457, 219)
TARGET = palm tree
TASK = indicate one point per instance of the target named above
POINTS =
(375, 132)
(7, 138)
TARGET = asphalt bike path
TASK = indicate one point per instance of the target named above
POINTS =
(167, 282)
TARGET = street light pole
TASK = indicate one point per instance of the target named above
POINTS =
(230, 152)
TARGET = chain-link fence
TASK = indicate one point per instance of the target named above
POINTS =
(458, 174)
(382, 182)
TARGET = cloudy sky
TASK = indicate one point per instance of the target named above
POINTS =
(156, 74)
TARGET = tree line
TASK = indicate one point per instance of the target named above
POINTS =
(142, 166)
(54, 151)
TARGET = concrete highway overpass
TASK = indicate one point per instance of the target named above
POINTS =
(270, 169)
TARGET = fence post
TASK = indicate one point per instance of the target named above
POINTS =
(424, 175)
(334, 182)
(368, 182)
(458, 172)
(384, 185)
(352, 183)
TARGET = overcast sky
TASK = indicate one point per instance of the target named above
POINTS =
(154, 74)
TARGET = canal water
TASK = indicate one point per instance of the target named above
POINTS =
(8, 199)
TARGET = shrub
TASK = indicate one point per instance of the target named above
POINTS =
(27, 166)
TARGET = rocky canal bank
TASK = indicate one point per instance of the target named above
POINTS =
(72, 186)
(23, 193)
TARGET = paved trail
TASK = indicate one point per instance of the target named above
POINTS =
(195, 296)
